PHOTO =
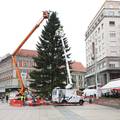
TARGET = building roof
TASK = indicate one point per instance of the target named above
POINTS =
(78, 67)
(27, 53)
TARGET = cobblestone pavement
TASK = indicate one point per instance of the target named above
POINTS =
(86, 112)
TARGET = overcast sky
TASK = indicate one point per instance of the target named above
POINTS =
(17, 18)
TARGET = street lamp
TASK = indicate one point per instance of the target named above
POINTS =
(94, 57)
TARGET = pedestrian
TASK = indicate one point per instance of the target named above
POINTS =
(7, 97)
(34, 99)
(2, 98)
(90, 99)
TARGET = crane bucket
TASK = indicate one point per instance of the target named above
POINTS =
(45, 14)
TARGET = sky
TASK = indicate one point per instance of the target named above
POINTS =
(18, 17)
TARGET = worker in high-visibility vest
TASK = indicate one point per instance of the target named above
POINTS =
(22, 98)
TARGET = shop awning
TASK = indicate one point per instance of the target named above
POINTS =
(112, 85)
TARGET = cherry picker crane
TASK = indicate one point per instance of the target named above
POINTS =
(69, 94)
(14, 62)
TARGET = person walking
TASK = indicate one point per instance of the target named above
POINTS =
(2, 99)
(7, 97)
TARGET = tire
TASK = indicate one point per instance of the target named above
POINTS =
(64, 101)
(81, 102)
(90, 101)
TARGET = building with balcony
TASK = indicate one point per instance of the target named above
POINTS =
(103, 45)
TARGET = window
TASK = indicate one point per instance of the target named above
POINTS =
(111, 13)
(102, 25)
(99, 66)
(98, 29)
(111, 23)
(103, 64)
(112, 65)
(74, 77)
(93, 27)
(98, 19)
(80, 77)
(102, 15)
(113, 53)
(95, 33)
(118, 13)
(96, 24)
(112, 34)
(102, 36)
(93, 48)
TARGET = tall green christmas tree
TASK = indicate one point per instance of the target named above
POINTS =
(50, 63)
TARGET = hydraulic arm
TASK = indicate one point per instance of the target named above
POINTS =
(14, 62)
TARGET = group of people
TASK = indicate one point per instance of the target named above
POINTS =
(27, 98)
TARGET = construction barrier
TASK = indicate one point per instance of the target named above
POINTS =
(16, 103)
(37, 102)
(30, 102)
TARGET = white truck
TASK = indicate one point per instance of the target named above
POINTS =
(67, 96)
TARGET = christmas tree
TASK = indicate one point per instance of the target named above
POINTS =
(50, 70)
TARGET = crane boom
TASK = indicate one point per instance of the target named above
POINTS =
(45, 16)
(22, 87)
(70, 83)
(67, 65)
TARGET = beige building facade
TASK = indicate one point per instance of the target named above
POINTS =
(8, 78)
(78, 75)
(103, 45)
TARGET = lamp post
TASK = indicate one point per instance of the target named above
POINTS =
(96, 75)
(94, 57)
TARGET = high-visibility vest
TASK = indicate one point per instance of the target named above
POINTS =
(21, 97)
